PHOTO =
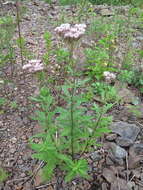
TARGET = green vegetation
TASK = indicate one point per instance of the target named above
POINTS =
(66, 93)
(3, 175)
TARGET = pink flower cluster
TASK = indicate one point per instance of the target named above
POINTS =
(33, 66)
(68, 31)
(109, 77)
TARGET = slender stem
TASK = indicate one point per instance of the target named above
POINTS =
(19, 32)
(72, 96)
(72, 125)
(92, 135)
(81, 10)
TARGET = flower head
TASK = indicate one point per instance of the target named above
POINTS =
(68, 31)
(109, 77)
(33, 66)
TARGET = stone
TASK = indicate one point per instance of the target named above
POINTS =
(117, 161)
(126, 95)
(135, 44)
(131, 184)
(117, 151)
(22, 175)
(124, 142)
(136, 149)
(133, 161)
(14, 140)
(120, 184)
(109, 175)
(104, 186)
(12, 150)
(135, 155)
(111, 137)
(109, 161)
(6, 187)
(139, 38)
(96, 156)
(125, 130)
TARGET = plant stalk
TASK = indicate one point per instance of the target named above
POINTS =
(72, 96)
(93, 132)
(19, 32)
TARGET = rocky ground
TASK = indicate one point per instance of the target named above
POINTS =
(115, 166)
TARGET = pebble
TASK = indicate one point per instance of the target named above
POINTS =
(22, 175)
(111, 137)
(96, 156)
(124, 142)
(109, 175)
(20, 162)
(117, 151)
(136, 149)
(12, 150)
(125, 130)
(14, 140)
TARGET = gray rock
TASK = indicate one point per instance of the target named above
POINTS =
(117, 151)
(126, 95)
(96, 156)
(117, 161)
(136, 149)
(139, 38)
(135, 45)
(125, 130)
(120, 183)
(104, 186)
(109, 175)
(109, 161)
(124, 142)
(131, 185)
(111, 137)
(12, 150)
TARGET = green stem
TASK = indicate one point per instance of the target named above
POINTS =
(92, 135)
(19, 32)
(81, 10)
(72, 96)
(72, 125)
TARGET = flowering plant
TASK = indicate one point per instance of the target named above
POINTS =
(33, 66)
(68, 31)
(109, 77)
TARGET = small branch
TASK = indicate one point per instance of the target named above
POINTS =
(42, 186)
(20, 179)
(127, 165)
(19, 31)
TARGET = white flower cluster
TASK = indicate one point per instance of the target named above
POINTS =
(68, 31)
(33, 66)
(109, 77)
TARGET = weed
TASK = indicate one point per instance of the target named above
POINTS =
(126, 76)
(71, 133)
(3, 175)
(2, 101)
(107, 92)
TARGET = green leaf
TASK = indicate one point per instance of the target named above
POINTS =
(3, 175)
(77, 168)
(65, 158)
(48, 171)
(65, 90)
